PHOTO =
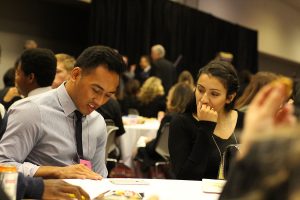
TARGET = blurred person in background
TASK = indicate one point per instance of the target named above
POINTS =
(151, 98)
(186, 77)
(9, 94)
(244, 78)
(129, 101)
(257, 81)
(65, 64)
(268, 165)
(163, 68)
(178, 97)
(145, 69)
(30, 44)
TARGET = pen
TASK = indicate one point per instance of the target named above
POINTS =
(100, 196)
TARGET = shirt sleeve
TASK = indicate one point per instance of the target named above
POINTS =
(99, 163)
(20, 137)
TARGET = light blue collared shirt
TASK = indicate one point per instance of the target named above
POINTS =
(41, 132)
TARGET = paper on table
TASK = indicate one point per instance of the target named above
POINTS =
(92, 187)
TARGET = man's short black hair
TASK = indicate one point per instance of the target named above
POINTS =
(9, 78)
(94, 56)
(40, 62)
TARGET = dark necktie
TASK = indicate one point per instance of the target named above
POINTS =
(78, 132)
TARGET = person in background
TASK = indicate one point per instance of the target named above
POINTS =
(30, 44)
(163, 68)
(244, 78)
(129, 73)
(35, 71)
(64, 131)
(224, 56)
(3, 120)
(151, 98)
(65, 64)
(296, 96)
(145, 70)
(199, 136)
(9, 94)
(257, 81)
(129, 101)
(267, 167)
(178, 97)
(186, 77)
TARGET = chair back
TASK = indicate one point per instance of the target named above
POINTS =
(110, 143)
(109, 122)
(162, 144)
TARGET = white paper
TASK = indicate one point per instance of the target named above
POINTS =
(92, 187)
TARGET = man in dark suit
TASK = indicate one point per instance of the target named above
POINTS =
(145, 69)
(164, 69)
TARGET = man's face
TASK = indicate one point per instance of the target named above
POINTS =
(61, 75)
(22, 81)
(144, 62)
(154, 54)
(92, 89)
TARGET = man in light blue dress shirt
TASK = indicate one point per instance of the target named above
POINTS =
(40, 136)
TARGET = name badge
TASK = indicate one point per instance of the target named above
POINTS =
(87, 163)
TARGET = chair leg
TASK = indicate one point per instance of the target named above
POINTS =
(157, 164)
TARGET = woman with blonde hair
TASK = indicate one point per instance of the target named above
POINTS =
(151, 97)
(178, 97)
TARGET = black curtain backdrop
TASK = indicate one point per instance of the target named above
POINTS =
(133, 26)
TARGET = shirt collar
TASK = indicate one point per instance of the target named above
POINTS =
(39, 90)
(65, 100)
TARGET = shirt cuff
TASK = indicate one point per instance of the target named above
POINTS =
(28, 169)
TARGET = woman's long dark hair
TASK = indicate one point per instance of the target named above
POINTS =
(224, 72)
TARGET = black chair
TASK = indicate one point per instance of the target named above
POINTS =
(162, 147)
(111, 143)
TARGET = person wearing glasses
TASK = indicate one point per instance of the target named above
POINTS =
(199, 136)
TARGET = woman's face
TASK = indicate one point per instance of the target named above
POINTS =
(210, 91)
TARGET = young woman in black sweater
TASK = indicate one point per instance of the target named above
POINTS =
(199, 136)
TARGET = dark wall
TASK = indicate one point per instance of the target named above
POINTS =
(64, 23)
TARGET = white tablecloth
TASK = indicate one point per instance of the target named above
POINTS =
(165, 189)
(132, 133)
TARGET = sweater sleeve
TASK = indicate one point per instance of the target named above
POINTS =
(189, 146)
(29, 187)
